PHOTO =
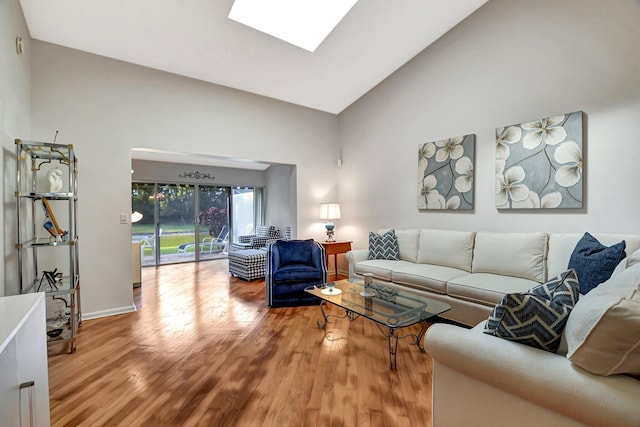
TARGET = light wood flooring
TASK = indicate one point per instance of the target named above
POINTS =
(204, 350)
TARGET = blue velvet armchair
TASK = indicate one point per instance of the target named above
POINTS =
(293, 265)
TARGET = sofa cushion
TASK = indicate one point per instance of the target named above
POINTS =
(561, 245)
(511, 254)
(537, 317)
(633, 259)
(297, 273)
(485, 288)
(447, 248)
(425, 276)
(408, 244)
(267, 231)
(603, 331)
(383, 246)
(380, 268)
(594, 262)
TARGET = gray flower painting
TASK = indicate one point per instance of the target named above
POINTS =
(445, 173)
(539, 164)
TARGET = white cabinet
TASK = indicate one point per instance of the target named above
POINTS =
(24, 380)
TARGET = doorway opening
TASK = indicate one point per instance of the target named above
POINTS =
(190, 222)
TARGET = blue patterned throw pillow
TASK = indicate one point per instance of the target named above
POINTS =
(594, 262)
(383, 246)
(537, 317)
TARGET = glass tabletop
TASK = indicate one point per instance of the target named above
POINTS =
(388, 306)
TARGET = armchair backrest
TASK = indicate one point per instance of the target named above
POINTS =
(307, 252)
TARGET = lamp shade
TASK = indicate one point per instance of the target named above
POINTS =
(136, 216)
(330, 211)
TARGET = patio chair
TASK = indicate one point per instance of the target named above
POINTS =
(149, 242)
(212, 244)
(208, 244)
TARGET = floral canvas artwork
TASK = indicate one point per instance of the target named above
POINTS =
(445, 173)
(539, 164)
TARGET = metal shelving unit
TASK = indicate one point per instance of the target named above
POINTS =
(47, 239)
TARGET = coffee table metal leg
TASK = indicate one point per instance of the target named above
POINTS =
(393, 347)
(324, 316)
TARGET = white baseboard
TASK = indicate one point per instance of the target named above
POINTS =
(107, 313)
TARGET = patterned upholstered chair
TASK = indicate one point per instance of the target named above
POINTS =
(264, 233)
(292, 266)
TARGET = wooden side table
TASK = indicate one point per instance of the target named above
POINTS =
(335, 248)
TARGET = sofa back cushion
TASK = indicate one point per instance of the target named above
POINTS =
(407, 243)
(511, 254)
(446, 248)
(561, 246)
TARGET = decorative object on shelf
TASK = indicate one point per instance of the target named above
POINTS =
(52, 225)
(196, 175)
(445, 173)
(53, 279)
(54, 178)
(539, 164)
(330, 211)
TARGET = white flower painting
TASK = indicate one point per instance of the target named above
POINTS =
(539, 163)
(445, 173)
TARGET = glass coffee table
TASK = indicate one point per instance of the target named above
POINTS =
(391, 309)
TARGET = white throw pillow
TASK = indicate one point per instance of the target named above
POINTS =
(408, 244)
(633, 259)
(603, 330)
(446, 248)
(511, 254)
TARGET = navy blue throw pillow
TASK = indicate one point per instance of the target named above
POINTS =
(594, 263)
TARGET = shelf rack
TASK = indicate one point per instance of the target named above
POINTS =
(47, 190)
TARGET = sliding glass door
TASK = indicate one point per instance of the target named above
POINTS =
(175, 226)
(213, 221)
(181, 222)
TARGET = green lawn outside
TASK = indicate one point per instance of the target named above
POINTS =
(173, 235)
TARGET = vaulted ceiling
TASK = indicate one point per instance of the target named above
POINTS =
(195, 38)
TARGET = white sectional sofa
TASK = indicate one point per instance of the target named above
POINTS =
(471, 271)
(481, 380)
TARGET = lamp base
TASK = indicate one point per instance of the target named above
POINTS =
(330, 226)
(330, 236)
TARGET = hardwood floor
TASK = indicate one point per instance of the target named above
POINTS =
(204, 350)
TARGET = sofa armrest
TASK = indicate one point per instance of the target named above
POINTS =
(545, 379)
(354, 257)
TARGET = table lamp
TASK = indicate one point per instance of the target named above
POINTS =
(330, 211)
(136, 216)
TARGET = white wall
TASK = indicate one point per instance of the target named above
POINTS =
(280, 197)
(511, 61)
(106, 107)
(15, 120)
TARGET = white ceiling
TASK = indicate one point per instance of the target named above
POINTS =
(194, 38)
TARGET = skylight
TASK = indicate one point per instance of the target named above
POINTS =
(303, 23)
